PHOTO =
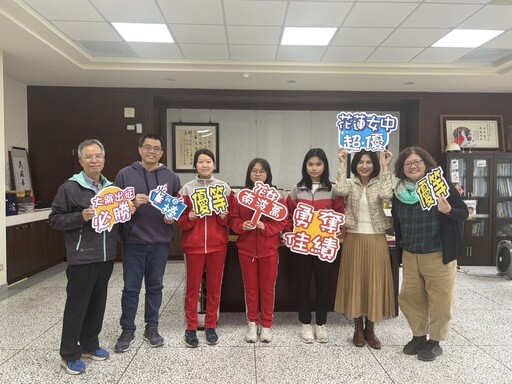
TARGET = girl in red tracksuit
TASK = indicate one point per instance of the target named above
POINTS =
(258, 250)
(204, 242)
(314, 189)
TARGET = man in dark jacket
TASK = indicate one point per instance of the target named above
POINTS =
(90, 258)
(146, 240)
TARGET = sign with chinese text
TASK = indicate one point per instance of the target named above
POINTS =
(314, 232)
(430, 187)
(171, 207)
(209, 200)
(360, 130)
(263, 200)
(111, 205)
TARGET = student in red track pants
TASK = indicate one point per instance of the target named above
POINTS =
(258, 250)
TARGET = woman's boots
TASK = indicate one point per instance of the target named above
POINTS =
(358, 338)
(365, 334)
(369, 334)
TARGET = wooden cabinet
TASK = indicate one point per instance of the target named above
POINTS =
(31, 248)
(487, 179)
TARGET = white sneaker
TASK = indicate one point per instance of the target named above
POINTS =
(307, 334)
(251, 336)
(321, 334)
(266, 335)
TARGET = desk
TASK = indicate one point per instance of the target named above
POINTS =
(232, 295)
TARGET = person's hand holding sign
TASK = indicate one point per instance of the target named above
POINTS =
(342, 155)
(443, 205)
(385, 159)
(247, 226)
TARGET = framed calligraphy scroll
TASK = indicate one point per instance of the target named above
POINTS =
(187, 138)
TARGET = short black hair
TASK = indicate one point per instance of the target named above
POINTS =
(374, 159)
(153, 136)
(203, 151)
(427, 158)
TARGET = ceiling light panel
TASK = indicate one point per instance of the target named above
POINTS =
(307, 36)
(141, 32)
(466, 38)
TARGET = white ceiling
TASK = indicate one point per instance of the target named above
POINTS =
(379, 45)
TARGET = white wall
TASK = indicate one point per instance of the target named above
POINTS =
(3, 274)
(16, 120)
(281, 137)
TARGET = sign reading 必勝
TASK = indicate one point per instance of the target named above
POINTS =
(360, 130)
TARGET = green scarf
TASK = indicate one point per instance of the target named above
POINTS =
(405, 191)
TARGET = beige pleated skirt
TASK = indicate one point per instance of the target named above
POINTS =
(365, 281)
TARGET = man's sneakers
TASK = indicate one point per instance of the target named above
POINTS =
(431, 349)
(152, 336)
(73, 367)
(415, 345)
(124, 341)
(98, 355)
(191, 340)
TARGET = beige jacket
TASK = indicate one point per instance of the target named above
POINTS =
(378, 189)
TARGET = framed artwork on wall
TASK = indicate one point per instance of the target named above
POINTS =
(473, 132)
(20, 172)
(187, 138)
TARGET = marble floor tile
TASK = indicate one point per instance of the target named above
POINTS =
(479, 349)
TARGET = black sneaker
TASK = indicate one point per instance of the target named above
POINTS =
(124, 341)
(153, 337)
(430, 351)
(191, 340)
(211, 336)
(415, 345)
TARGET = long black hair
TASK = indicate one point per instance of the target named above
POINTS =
(265, 165)
(324, 179)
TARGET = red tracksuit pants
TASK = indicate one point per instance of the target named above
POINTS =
(259, 275)
(196, 263)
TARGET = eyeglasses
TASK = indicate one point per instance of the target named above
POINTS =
(416, 163)
(91, 157)
(149, 148)
(258, 171)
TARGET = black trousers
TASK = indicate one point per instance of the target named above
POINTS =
(307, 266)
(85, 308)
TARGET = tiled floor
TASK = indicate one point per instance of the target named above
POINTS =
(479, 350)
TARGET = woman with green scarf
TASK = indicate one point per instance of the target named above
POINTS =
(428, 243)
